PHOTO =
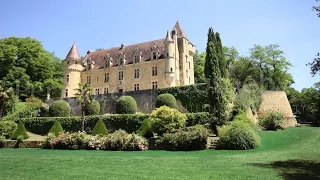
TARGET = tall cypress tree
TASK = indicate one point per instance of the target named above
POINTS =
(216, 85)
(221, 57)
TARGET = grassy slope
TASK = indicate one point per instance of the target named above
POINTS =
(283, 154)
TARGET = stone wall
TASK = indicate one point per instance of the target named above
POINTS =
(277, 101)
(145, 100)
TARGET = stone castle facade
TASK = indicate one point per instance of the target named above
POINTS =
(162, 63)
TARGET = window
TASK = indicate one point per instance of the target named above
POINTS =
(136, 87)
(97, 79)
(107, 64)
(171, 69)
(121, 61)
(67, 78)
(186, 59)
(76, 62)
(88, 79)
(89, 66)
(189, 80)
(186, 73)
(136, 58)
(189, 65)
(106, 90)
(97, 91)
(67, 62)
(66, 92)
(154, 71)
(154, 55)
(167, 54)
(154, 85)
(106, 77)
(136, 73)
(121, 75)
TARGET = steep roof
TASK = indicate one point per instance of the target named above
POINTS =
(180, 32)
(145, 48)
(73, 53)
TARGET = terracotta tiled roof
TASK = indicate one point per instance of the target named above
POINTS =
(180, 32)
(145, 48)
(73, 53)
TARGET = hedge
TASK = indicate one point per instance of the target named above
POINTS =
(192, 97)
(166, 99)
(128, 122)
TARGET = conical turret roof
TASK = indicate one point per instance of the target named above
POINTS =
(73, 53)
(168, 37)
(180, 32)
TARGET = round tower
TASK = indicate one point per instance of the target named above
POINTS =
(170, 67)
(73, 67)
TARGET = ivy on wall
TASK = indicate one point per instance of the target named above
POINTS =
(192, 97)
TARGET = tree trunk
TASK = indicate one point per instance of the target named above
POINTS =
(82, 116)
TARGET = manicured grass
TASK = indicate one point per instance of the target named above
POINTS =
(290, 154)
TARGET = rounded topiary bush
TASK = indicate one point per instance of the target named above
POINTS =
(126, 105)
(239, 135)
(166, 100)
(271, 121)
(92, 109)
(145, 129)
(20, 132)
(100, 128)
(56, 128)
(59, 108)
(165, 119)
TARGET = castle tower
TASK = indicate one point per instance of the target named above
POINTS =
(170, 66)
(186, 53)
(72, 72)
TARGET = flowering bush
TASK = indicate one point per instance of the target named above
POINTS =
(96, 142)
(66, 141)
(120, 140)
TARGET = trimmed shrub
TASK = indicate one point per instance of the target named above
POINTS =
(56, 128)
(92, 109)
(59, 108)
(271, 121)
(238, 135)
(145, 129)
(7, 128)
(128, 122)
(165, 119)
(100, 128)
(20, 131)
(126, 105)
(186, 139)
(166, 99)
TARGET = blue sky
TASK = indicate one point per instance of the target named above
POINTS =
(102, 24)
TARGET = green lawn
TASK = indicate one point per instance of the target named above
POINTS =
(290, 154)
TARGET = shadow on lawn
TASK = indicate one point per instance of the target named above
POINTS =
(294, 169)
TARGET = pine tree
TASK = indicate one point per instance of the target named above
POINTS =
(56, 128)
(100, 128)
(20, 132)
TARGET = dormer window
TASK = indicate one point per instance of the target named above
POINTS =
(154, 55)
(121, 61)
(136, 58)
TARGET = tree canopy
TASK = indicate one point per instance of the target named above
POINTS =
(27, 67)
